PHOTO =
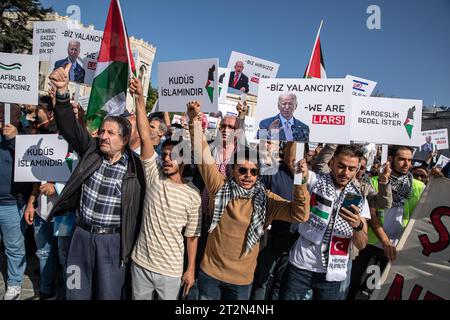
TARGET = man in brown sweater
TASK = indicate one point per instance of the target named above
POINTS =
(242, 208)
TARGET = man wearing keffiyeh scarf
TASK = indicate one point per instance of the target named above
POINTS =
(242, 208)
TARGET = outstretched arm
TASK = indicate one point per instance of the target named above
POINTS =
(147, 141)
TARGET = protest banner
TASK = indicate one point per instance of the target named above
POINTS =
(43, 157)
(432, 140)
(228, 108)
(182, 81)
(254, 70)
(421, 269)
(19, 78)
(44, 38)
(318, 110)
(143, 71)
(386, 120)
(442, 161)
(81, 45)
(361, 87)
(224, 78)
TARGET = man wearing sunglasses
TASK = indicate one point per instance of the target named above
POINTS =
(242, 208)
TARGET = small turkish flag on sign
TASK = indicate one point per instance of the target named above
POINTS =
(339, 246)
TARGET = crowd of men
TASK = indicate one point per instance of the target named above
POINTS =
(159, 212)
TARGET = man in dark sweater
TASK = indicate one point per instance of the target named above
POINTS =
(12, 200)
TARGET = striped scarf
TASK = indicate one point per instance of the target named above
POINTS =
(401, 189)
(231, 191)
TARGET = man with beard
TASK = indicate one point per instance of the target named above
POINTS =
(386, 226)
(171, 205)
(107, 191)
(318, 260)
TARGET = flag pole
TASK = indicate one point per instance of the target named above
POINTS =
(314, 47)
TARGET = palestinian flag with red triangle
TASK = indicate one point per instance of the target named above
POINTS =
(317, 68)
(115, 62)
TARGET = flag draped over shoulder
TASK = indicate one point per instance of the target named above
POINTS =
(115, 62)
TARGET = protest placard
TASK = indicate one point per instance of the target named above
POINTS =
(43, 157)
(44, 38)
(252, 70)
(182, 81)
(224, 78)
(79, 47)
(432, 140)
(386, 120)
(420, 270)
(442, 161)
(19, 77)
(143, 71)
(317, 110)
(228, 108)
(361, 87)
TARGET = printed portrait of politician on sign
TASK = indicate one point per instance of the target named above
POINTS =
(284, 126)
(77, 71)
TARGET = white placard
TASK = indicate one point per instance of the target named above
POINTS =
(442, 161)
(86, 61)
(224, 78)
(182, 81)
(176, 119)
(19, 77)
(212, 122)
(361, 87)
(7, 114)
(84, 102)
(386, 120)
(322, 113)
(43, 157)
(250, 129)
(44, 38)
(438, 140)
(255, 69)
(299, 155)
(228, 108)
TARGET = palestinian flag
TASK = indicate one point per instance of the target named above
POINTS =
(409, 122)
(115, 63)
(70, 157)
(317, 67)
(210, 83)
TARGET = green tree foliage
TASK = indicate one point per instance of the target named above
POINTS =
(14, 34)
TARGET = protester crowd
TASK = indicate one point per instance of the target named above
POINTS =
(160, 211)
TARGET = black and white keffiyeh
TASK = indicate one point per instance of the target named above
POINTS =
(401, 189)
(230, 191)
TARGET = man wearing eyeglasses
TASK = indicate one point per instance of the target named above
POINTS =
(242, 208)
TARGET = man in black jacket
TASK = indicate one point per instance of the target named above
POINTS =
(107, 191)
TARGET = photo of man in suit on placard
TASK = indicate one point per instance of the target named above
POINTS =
(238, 80)
(284, 124)
(428, 147)
(77, 72)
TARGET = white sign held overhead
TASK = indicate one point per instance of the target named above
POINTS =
(434, 140)
(304, 110)
(43, 157)
(361, 87)
(79, 47)
(44, 38)
(250, 71)
(386, 120)
(19, 78)
(182, 81)
(224, 78)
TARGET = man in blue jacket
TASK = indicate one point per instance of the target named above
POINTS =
(77, 72)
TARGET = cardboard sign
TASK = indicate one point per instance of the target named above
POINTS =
(43, 157)
(44, 38)
(182, 81)
(254, 70)
(82, 45)
(361, 87)
(420, 270)
(318, 110)
(434, 140)
(19, 78)
(442, 161)
(386, 120)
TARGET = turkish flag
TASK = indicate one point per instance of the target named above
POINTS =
(339, 246)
